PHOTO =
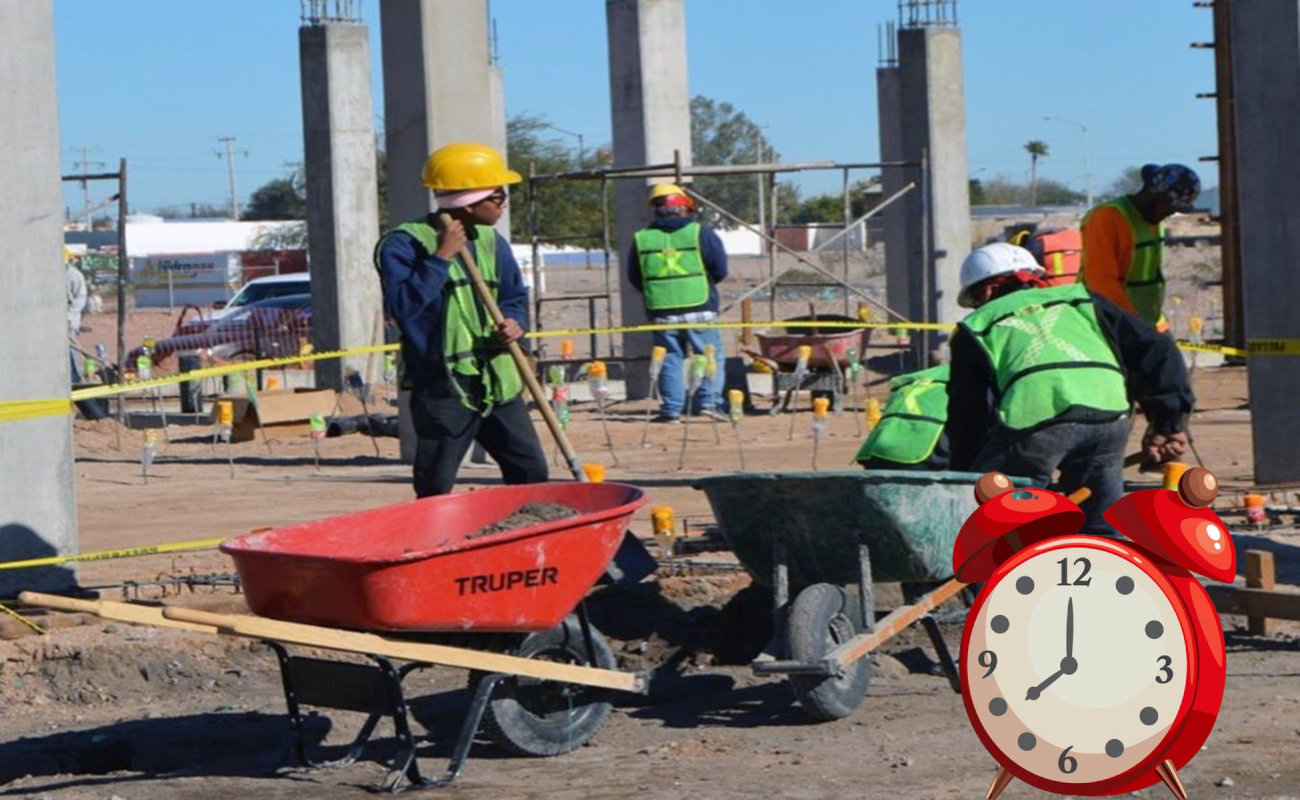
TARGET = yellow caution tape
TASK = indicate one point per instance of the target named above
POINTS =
(1201, 347)
(104, 555)
(1273, 347)
(31, 409)
(22, 619)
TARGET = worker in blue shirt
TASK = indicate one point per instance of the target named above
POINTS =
(676, 264)
(464, 385)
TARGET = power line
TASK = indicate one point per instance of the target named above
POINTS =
(229, 155)
(83, 166)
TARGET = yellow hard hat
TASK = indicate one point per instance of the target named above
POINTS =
(665, 190)
(466, 165)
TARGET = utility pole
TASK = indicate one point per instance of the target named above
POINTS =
(83, 167)
(229, 155)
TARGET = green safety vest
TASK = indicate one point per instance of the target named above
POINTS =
(469, 347)
(913, 419)
(1145, 279)
(672, 272)
(1048, 354)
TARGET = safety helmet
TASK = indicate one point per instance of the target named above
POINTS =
(999, 258)
(670, 195)
(466, 165)
(1178, 183)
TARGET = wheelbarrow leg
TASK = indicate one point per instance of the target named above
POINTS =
(912, 593)
(409, 769)
(865, 593)
(585, 624)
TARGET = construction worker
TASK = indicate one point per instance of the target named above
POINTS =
(464, 385)
(1043, 380)
(676, 264)
(1058, 250)
(1123, 241)
(910, 432)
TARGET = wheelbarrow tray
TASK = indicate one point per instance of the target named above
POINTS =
(831, 346)
(418, 566)
(907, 519)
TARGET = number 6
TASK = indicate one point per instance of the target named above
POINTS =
(1065, 756)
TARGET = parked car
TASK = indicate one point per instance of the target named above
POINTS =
(256, 290)
(264, 329)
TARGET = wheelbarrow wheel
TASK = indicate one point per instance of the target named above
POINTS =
(823, 617)
(530, 717)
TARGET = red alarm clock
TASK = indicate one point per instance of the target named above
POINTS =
(1093, 666)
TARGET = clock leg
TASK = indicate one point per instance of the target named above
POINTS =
(1001, 780)
(1165, 769)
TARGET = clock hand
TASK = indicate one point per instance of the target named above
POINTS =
(1069, 629)
(1068, 667)
(1035, 691)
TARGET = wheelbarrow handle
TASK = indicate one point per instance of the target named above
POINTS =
(521, 361)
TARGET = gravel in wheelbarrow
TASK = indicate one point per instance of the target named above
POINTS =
(427, 565)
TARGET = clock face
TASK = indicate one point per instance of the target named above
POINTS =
(1075, 664)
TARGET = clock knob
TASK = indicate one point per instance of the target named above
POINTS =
(1197, 488)
(990, 485)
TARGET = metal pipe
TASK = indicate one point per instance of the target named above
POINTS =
(797, 256)
(871, 213)
(848, 211)
(926, 265)
(670, 170)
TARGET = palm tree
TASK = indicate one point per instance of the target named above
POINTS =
(1036, 150)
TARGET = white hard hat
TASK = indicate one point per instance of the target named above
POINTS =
(985, 262)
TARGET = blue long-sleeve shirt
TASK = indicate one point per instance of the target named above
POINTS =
(712, 253)
(415, 294)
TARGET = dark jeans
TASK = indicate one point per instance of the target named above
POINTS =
(1087, 454)
(445, 429)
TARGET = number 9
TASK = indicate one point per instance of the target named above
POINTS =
(991, 662)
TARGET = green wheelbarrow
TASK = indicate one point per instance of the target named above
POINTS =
(812, 535)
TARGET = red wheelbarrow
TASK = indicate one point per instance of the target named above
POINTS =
(443, 589)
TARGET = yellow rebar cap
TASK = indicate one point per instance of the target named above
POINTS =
(466, 165)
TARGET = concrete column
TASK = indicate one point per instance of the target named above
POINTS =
(1266, 88)
(437, 91)
(651, 107)
(342, 200)
(899, 258)
(37, 502)
(933, 112)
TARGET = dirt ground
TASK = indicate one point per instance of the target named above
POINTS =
(109, 710)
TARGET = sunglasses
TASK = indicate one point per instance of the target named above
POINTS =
(499, 198)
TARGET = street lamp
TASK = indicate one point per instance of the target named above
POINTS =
(1087, 173)
(582, 153)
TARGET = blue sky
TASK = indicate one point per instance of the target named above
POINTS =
(157, 84)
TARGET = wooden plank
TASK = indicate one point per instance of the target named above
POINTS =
(1255, 602)
(373, 644)
(1259, 575)
(895, 621)
(109, 609)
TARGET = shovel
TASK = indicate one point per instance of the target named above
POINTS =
(632, 562)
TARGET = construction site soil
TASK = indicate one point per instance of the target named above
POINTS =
(106, 710)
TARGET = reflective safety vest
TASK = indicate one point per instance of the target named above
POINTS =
(1048, 355)
(469, 347)
(913, 419)
(1145, 279)
(672, 271)
(1060, 253)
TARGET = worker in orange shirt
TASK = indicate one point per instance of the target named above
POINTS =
(1123, 241)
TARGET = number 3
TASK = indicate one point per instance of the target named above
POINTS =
(1164, 668)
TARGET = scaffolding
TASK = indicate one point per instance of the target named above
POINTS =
(767, 235)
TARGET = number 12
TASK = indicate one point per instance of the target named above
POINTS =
(1082, 580)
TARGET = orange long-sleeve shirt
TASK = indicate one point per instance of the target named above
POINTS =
(1107, 254)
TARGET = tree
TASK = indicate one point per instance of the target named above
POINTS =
(722, 134)
(977, 197)
(1036, 150)
(277, 199)
(830, 207)
(1128, 181)
(565, 208)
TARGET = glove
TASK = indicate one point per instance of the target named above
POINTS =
(1161, 447)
